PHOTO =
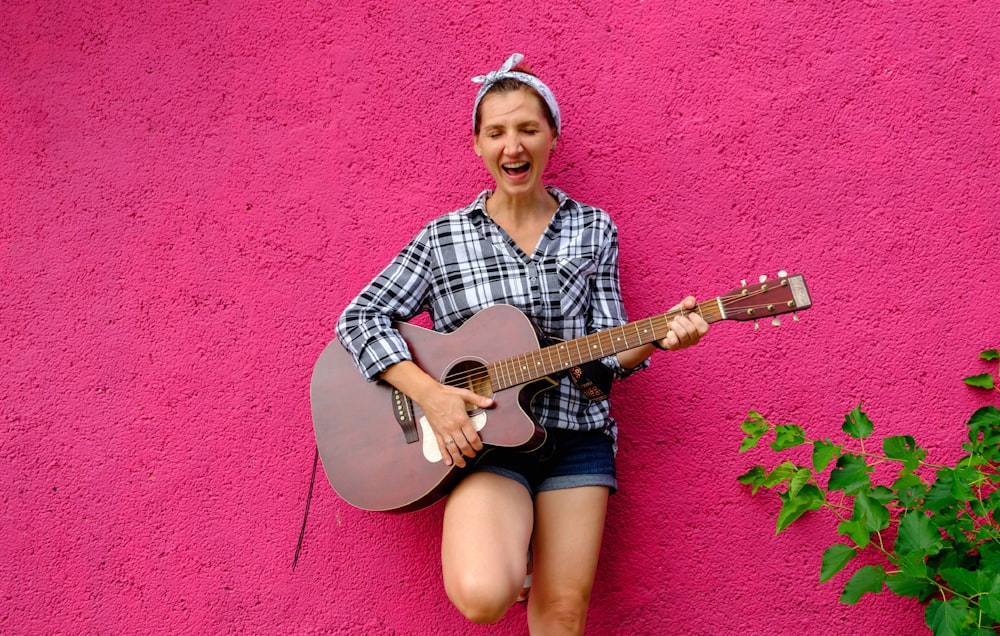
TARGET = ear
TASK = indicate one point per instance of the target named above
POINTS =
(475, 146)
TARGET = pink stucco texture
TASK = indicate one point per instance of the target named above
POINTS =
(190, 192)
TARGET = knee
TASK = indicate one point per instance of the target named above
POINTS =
(566, 614)
(479, 600)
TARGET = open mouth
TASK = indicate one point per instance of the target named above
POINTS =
(517, 168)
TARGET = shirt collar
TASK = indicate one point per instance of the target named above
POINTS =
(478, 207)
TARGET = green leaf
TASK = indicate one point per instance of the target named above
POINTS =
(984, 432)
(823, 453)
(989, 354)
(903, 448)
(856, 530)
(990, 605)
(753, 478)
(787, 436)
(918, 534)
(963, 581)
(792, 507)
(850, 475)
(870, 578)
(905, 585)
(834, 559)
(983, 380)
(857, 424)
(781, 473)
(910, 490)
(874, 514)
(755, 426)
(947, 618)
(798, 480)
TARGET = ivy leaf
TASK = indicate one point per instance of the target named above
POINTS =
(753, 478)
(781, 473)
(823, 453)
(792, 507)
(990, 604)
(787, 436)
(910, 490)
(798, 480)
(870, 578)
(850, 475)
(989, 354)
(947, 618)
(874, 515)
(755, 426)
(983, 380)
(963, 581)
(984, 432)
(906, 585)
(918, 534)
(834, 559)
(856, 530)
(904, 449)
(857, 424)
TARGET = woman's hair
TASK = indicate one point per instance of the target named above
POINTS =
(511, 84)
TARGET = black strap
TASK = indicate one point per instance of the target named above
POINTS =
(593, 379)
(305, 515)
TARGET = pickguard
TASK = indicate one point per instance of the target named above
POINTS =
(432, 452)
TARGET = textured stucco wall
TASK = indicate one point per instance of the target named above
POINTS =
(191, 191)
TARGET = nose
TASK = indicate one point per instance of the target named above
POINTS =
(512, 144)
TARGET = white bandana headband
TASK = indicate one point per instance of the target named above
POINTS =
(504, 72)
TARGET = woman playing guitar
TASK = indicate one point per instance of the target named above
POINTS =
(531, 246)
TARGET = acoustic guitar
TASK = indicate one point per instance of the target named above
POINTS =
(379, 452)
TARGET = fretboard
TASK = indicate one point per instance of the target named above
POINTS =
(570, 353)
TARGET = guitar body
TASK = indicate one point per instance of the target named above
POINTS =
(379, 456)
(361, 427)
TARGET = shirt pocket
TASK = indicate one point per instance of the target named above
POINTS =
(569, 282)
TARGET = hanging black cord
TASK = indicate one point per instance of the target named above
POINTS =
(305, 515)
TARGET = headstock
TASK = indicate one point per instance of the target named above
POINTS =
(782, 295)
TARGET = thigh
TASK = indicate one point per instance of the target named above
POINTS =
(487, 528)
(569, 526)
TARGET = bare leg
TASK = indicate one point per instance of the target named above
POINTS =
(484, 545)
(569, 524)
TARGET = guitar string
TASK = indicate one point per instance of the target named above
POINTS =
(470, 378)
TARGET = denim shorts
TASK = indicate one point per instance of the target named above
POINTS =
(568, 459)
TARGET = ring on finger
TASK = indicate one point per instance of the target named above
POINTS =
(449, 442)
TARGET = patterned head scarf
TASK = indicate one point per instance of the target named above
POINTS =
(504, 72)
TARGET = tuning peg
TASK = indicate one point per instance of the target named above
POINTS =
(763, 278)
(776, 322)
(756, 326)
(782, 274)
(743, 283)
(795, 316)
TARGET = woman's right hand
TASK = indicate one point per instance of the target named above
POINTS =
(445, 409)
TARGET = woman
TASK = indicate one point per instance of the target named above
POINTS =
(528, 245)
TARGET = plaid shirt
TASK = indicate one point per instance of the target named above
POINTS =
(463, 262)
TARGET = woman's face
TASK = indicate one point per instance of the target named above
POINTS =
(514, 140)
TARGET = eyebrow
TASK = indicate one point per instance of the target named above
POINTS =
(520, 124)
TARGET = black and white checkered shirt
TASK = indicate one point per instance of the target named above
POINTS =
(463, 262)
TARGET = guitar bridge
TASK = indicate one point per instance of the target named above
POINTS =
(402, 407)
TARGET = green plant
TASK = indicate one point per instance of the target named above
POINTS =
(934, 531)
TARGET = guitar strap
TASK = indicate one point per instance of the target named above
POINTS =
(593, 379)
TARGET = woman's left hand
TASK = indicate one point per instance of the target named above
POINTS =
(686, 329)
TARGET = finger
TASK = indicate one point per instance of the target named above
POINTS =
(453, 453)
(475, 442)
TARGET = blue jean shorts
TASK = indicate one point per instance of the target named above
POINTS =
(568, 459)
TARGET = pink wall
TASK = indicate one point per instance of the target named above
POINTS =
(190, 193)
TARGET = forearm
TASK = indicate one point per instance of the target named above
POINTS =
(632, 358)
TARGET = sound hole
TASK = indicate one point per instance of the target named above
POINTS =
(471, 375)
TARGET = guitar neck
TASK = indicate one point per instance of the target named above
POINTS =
(769, 298)
(570, 353)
